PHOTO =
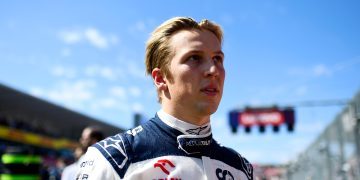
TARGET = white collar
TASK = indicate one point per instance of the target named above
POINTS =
(183, 126)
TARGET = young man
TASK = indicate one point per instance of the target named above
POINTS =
(89, 136)
(185, 61)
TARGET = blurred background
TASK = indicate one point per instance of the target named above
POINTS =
(65, 65)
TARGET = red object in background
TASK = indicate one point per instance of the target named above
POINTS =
(263, 117)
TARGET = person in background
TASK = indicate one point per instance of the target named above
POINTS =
(186, 62)
(69, 171)
(89, 136)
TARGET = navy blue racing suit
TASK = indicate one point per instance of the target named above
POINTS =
(159, 149)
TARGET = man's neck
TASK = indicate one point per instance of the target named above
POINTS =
(183, 126)
(187, 117)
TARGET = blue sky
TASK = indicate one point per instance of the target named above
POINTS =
(88, 57)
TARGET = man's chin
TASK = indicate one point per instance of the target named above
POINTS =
(208, 109)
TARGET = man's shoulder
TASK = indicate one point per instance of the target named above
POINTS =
(118, 149)
(122, 142)
(70, 171)
(93, 165)
(71, 167)
(221, 149)
(232, 158)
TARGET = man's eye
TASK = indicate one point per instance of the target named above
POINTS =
(194, 58)
(219, 59)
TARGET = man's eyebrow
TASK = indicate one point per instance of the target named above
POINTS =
(196, 51)
(220, 52)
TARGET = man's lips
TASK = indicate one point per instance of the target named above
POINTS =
(210, 90)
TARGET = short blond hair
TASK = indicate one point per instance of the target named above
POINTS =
(158, 50)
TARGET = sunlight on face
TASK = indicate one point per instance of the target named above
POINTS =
(197, 74)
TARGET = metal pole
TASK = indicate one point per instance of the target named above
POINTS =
(356, 109)
(328, 155)
(357, 141)
(340, 133)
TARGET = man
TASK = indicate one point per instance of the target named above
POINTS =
(70, 171)
(185, 61)
(89, 136)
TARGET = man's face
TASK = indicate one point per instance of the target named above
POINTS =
(85, 139)
(197, 74)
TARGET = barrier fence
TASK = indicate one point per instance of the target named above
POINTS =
(335, 154)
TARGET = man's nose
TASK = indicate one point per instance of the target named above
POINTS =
(211, 68)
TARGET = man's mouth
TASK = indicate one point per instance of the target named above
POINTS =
(210, 91)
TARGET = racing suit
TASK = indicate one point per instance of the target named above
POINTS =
(163, 148)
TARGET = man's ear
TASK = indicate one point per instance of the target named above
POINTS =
(159, 79)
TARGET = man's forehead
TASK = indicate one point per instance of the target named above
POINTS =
(194, 39)
(86, 132)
